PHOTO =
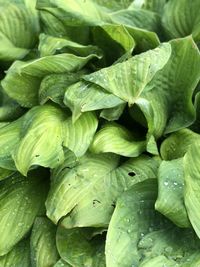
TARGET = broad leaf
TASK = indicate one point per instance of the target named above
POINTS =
(79, 248)
(181, 18)
(19, 256)
(170, 201)
(192, 184)
(79, 135)
(84, 96)
(127, 80)
(117, 139)
(21, 199)
(176, 145)
(23, 78)
(41, 138)
(167, 102)
(88, 190)
(43, 243)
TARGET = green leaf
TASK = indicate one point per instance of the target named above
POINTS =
(87, 191)
(19, 27)
(78, 248)
(43, 243)
(196, 125)
(167, 103)
(21, 199)
(61, 263)
(179, 246)
(19, 256)
(77, 13)
(153, 5)
(181, 18)
(137, 18)
(4, 174)
(133, 216)
(128, 79)
(117, 139)
(192, 184)
(112, 114)
(79, 135)
(158, 261)
(170, 201)
(176, 145)
(9, 138)
(84, 96)
(53, 86)
(114, 40)
(41, 138)
(50, 45)
(23, 79)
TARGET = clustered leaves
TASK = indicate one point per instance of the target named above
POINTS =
(99, 133)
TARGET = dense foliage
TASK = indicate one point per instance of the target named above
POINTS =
(99, 133)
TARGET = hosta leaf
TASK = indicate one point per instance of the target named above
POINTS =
(137, 18)
(79, 135)
(78, 248)
(153, 5)
(196, 125)
(132, 217)
(158, 261)
(117, 139)
(9, 138)
(53, 86)
(84, 96)
(192, 184)
(50, 45)
(114, 40)
(19, 256)
(43, 243)
(4, 174)
(77, 13)
(89, 189)
(61, 263)
(170, 201)
(112, 114)
(53, 25)
(167, 102)
(128, 79)
(21, 199)
(181, 18)
(177, 144)
(19, 28)
(41, 138)
(23, 78)
(179, 246)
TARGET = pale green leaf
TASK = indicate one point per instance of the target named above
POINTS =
(9, 138)
(84, 96)
(21, 199)
(53, 86)
(132, 217)
(176, 145)
(79, 135)
(23, 79)
(117, 139)
(170, 201)
(192, 184)
(166, 102)
(89, 189)
(127, 80)
(41, 138)
(78, 248)
(43, 243)
(182, 18)
(50, 45)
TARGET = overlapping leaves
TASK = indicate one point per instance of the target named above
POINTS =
(99, 133)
